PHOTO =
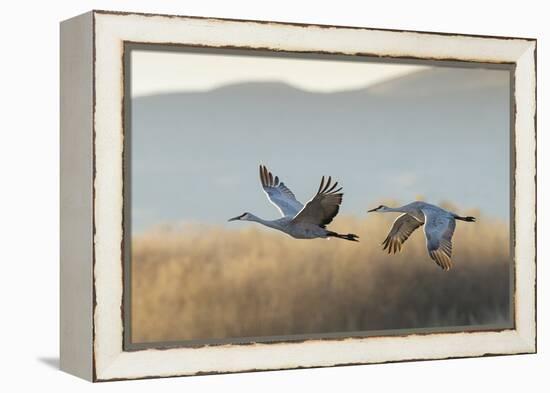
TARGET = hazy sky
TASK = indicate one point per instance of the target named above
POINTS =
(156, 72)
(201, 124)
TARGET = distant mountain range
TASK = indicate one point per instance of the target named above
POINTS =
(442, 133)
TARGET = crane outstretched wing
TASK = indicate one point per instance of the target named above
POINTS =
(439, 231)
(402, 228)
(323, 207)
(279, 194)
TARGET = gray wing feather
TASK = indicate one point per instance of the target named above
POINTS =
(323, 207)
(279, 194)
(439, 230)
(402, 228)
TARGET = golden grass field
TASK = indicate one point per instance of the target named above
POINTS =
(204, 282)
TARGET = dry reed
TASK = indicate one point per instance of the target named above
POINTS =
(203, 282)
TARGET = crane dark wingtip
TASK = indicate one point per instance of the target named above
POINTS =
(262, 175)
(328, 184)
(321, 185)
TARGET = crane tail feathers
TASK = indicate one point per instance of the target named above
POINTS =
(467, 218)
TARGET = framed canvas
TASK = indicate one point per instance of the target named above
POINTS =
(402, 166)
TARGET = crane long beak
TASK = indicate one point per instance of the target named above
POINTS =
(234, 218)
(372, 210)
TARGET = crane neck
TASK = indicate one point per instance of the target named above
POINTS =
(400, 209)
(267, 223)
(413, 211)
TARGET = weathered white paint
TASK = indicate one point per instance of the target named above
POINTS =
(112, 30)
(76, 308)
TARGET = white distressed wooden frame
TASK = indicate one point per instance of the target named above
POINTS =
(92, 194)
